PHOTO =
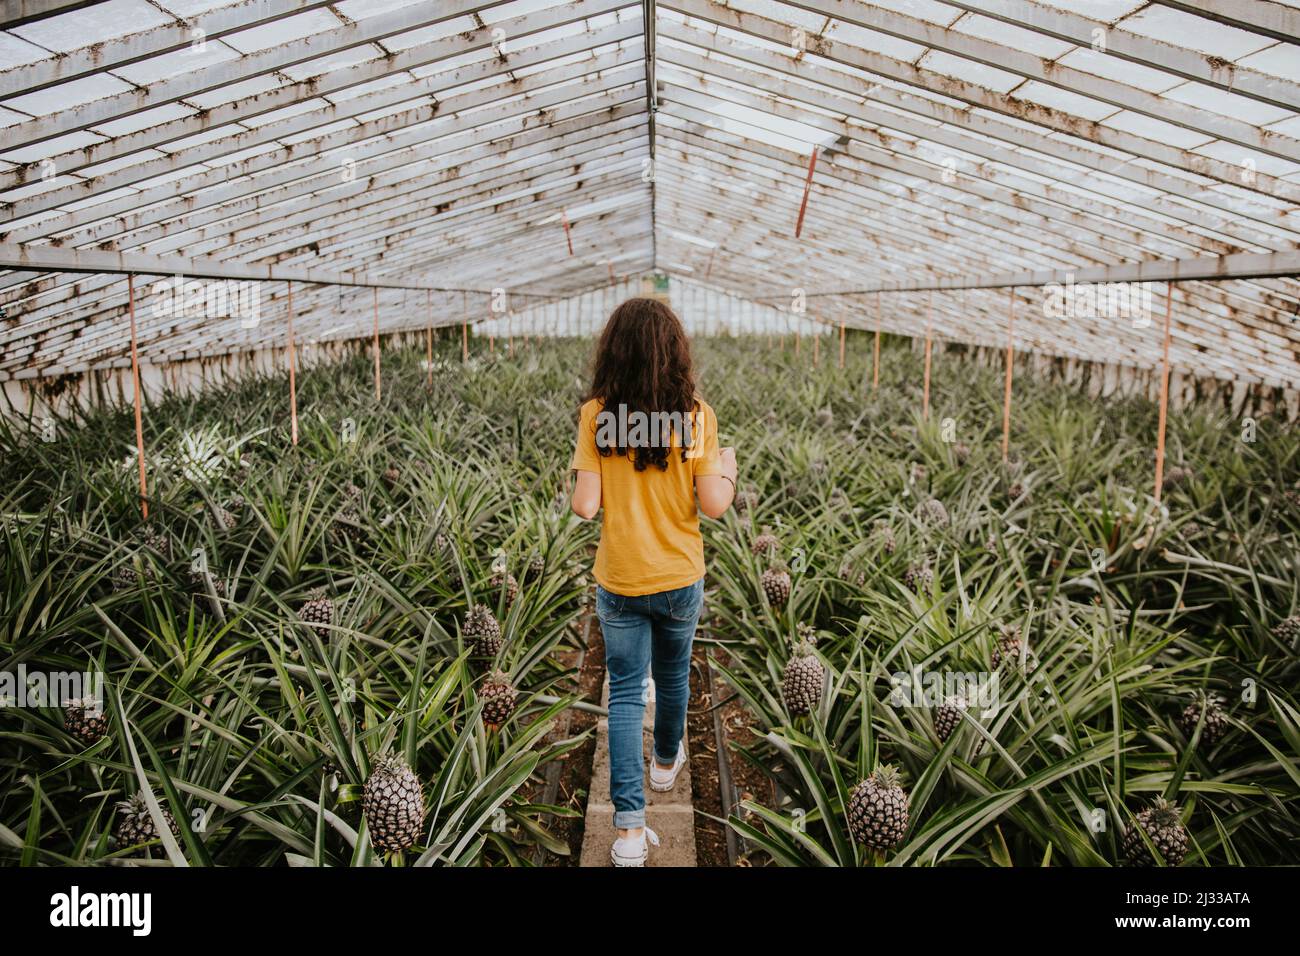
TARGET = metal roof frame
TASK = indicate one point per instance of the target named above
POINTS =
(961, 146)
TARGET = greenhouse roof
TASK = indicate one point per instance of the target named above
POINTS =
(434, 152)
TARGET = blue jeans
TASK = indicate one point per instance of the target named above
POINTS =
(652, 632)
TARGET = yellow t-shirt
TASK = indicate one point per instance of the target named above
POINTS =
(650, 535)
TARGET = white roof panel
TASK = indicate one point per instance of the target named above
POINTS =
(1000, 148)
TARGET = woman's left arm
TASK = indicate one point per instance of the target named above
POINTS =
(585, 500)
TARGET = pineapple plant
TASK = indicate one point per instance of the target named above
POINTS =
(317, 612)
(482, 632)
(135, 824)
(393, 804)
(1215, 724)
(801, 683)
(776, 585)
(765, 544)
(948, 717)
(85, 719)
(499, 697)
(1007, 649)
(877, 810)
(504, 583)
(1163, 827)
(932, 512)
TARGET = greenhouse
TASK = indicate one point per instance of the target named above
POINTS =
(983, 318)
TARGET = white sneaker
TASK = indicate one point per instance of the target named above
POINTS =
(632, 851)
(664, 780)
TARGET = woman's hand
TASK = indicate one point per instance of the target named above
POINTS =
(728, 458)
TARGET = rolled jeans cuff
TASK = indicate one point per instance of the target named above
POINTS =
(629, 819)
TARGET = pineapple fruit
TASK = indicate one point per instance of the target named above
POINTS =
(393, 804)
(1288, 630)
(1215, 724)
(746, 501)
(883, 534)
(877, 810)
(85, 719)
(801, 683)
(1163, 828)
(766, 544)
(918, 578)
(348, 527)
(482, 631)
(535, 569)
(135, 825)
(499, 697)
(224, 519)
(948, 717)
(1177, 477)
(961, 453)
(504, 583)
(318, 612)
(1008, 650)
(932, 512)
(776, 585)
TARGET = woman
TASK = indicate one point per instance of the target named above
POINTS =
(647, 449)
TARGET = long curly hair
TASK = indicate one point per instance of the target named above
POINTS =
(643, 361)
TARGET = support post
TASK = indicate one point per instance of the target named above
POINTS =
(464, 341)
(139, 416)
(807, 187)
(925, 395)
(875, 362)
(841, 343)
(1164, 395)
(1006, 390)
(293, 374)
(428, 378)
(376, 337)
